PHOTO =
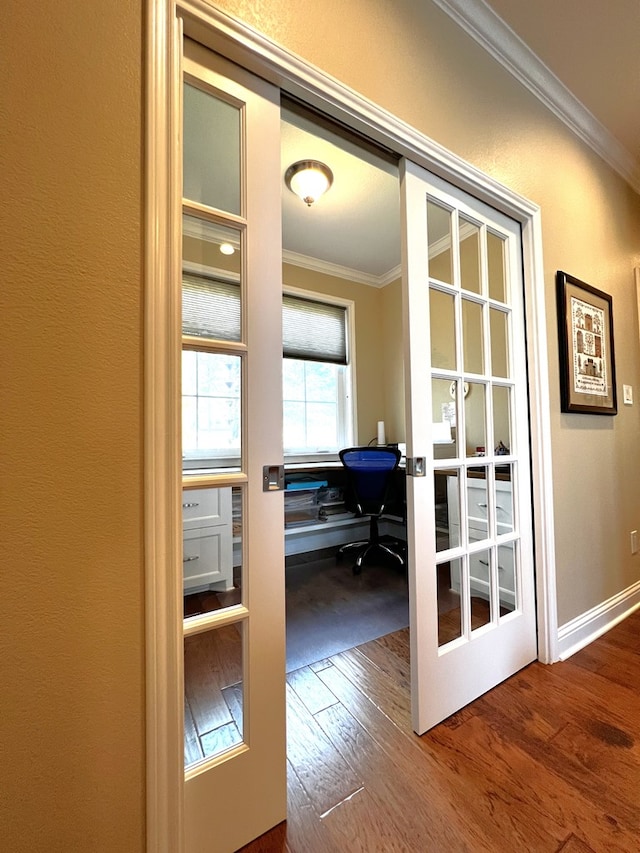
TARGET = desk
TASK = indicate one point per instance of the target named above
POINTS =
(322, 521)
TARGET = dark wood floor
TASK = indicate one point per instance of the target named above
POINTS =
(547, 761)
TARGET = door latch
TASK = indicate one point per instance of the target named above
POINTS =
(272, 478)
(416, 466)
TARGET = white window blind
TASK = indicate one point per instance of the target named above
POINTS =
(210, 308)
(313, 330)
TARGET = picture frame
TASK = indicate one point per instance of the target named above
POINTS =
(587, 356)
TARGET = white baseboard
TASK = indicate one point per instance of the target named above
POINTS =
(587, 627)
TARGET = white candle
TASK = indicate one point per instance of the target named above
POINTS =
(381, 436)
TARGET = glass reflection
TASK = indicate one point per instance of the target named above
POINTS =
(501, 420)
(475, 420)
(211, 409)
(211, 165)
(499, 343)
(506, 578)
(212, 260)
(469, 255)
(444, 418)
(480, 583)
(212, 549)
(449, 609)
(477, 504)
(504, 499)
(495, 263)
(447, 509)
(213, 692)
(443, 330)
(439, 232)
(472, 336)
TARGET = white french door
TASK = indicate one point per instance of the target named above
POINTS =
(471, 575)
(233, 585)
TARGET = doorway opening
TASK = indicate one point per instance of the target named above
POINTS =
(342, 251)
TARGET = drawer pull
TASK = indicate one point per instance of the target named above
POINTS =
(190, 559)
(189, 506)
(483, 506)
(484, 563)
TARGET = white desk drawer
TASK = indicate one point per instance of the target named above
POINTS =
(206, 507)
(207, 558)
(478, 505)
(479, 568)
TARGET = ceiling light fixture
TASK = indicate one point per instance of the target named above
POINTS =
(308, 179)
(226, 249)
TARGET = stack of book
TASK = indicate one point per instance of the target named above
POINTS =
(332, 506)
(301, 500)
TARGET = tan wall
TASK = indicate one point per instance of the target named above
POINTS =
(71, 608)
(72, 126)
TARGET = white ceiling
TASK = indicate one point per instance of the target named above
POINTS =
(355, 226)
(588, 45)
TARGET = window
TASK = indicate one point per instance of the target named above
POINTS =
(316, 386)
(316, 375)
(210, 405)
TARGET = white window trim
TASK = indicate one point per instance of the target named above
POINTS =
(162, 471)
(351, 425)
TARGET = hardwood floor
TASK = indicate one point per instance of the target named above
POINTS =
(547, 761)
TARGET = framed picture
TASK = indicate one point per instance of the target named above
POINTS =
(587, 363)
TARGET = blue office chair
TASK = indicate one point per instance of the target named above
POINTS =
(370, 474)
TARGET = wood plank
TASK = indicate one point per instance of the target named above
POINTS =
(359, 826)
(410, 820)
(306, 832)
(220, 739)
(388, 654)
(192, 748)
(515, 787)
(379, 687)
(435, 785)
(212, 661)
(573, 844)
(311, 691)
(323, 773)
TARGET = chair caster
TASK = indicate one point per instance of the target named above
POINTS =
(357, 569)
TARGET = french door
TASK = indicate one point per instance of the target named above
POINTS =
(233, 542)
(472, 598)
(469, 512)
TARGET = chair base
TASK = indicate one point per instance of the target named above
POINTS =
(365, 549)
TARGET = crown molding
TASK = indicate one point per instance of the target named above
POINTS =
(339, 271)
(485, 27)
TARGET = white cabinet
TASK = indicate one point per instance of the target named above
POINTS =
(477, 519)
(207, 561)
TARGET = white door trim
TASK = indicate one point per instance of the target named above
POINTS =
(238, 42)
(162, 474)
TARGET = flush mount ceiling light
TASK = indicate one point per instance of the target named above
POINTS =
(308, 179)
(226, 249)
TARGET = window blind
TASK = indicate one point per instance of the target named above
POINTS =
(313, 330)
(210, 308)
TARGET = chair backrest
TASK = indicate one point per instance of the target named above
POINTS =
(370, 475)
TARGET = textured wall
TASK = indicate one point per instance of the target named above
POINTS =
(71, 608)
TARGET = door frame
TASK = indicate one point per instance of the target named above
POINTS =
(165, 22)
